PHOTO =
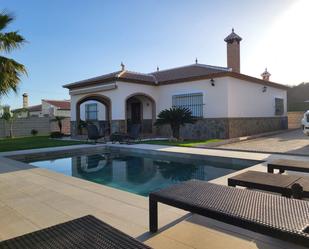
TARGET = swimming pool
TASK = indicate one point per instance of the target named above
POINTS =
(141, 174)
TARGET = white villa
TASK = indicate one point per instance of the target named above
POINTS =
(226, 102)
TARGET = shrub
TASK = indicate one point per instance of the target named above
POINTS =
(56, 134)
(175, 117)
(34, 132)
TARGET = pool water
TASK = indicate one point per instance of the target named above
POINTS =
(142, 174)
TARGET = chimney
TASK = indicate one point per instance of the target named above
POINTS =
(233, 51)
(25, 100)
(122, 66)
(266, 75)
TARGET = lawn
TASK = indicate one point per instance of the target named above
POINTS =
(185, 143)
(24, 143)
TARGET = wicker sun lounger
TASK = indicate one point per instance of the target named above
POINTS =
(272, 215)
(277, 183)
(284, 164)
(82, 233)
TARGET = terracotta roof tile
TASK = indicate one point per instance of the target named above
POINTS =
(174, 75)
(190, 71)
(61, 104)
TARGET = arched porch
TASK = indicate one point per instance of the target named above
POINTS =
(140, 109)
(95, 109)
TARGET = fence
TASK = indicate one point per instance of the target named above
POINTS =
(22, 126)
(294, 119)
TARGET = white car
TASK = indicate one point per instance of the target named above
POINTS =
(305, 123)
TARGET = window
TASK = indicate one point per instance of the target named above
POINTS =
(192, 101)
(279, 106)
(91, 111)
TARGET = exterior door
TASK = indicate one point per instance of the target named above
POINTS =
(136, 115)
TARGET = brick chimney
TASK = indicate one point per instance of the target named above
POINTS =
(25, 100)
(233, 51)
(265, 75)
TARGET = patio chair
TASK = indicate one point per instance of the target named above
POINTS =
(132, 135)
(260, 212)
(81, 233)
(277, 183)
(93, 133)
(287, 164)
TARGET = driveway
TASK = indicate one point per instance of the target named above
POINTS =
(292, 142)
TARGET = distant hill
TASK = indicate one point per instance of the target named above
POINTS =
(296, 97)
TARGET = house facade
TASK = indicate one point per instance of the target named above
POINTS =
(47, 108)
(225, 102)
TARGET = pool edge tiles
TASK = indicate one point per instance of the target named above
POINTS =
(139, 174)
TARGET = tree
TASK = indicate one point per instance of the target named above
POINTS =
(58, 119)
(175, 117)
(10, 117)
(10, 70)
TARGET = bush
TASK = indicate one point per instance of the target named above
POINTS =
(56, 134)
(34, 132)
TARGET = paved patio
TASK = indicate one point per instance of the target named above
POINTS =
(33, 198)
(292, 142)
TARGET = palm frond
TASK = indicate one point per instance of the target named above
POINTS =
(5, 19)
(10, 41)
(10, 73)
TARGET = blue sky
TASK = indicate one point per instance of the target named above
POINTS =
(70, 40)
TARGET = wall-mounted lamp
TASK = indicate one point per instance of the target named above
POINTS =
(212, 82)
(264, 89)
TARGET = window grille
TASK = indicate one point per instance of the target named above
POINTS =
(279, 106)
(192, 101)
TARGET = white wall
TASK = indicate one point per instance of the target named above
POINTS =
(48, 109)
(100, 106)
(214, 97)
(118, 97)
(229, 97)
(247, 99)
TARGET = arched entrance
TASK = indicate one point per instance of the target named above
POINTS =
(95, 109)
(140, 109)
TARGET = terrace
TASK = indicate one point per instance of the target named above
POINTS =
(34, 198)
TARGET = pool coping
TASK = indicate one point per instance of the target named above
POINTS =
(175, 151)
(8, 161)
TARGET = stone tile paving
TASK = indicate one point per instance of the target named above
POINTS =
(33, 198)
(291, 142)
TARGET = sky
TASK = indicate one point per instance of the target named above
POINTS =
(71, 40)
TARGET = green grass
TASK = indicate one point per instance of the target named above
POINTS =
(35, 142)
(185, 143)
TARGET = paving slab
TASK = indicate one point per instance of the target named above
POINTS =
(33, 198)
(292, 142)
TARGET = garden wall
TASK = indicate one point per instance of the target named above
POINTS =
(294, 119)
(22, 126)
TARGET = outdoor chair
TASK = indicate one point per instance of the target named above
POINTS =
(277, 183)
(85, 232)
(286, 164)
(131, 136)
(134, 133)
(272, 215)
(93, 133)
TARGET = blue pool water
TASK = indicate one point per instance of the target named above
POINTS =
(142, 174)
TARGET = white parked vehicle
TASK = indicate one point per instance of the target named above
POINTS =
(305, 123)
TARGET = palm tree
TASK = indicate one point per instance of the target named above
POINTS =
(10, 117)
(10, 70)
(58, 119)
(175, 117)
